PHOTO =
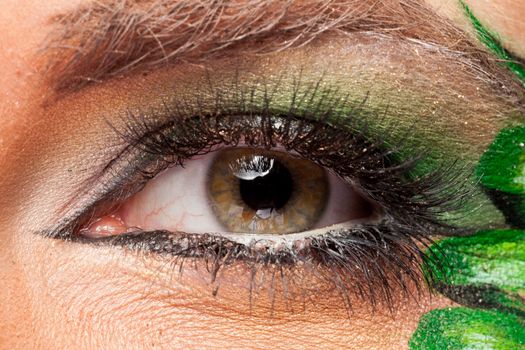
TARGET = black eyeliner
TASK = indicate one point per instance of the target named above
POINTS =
(413, 204)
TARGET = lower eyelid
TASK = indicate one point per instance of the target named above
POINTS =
(225, 272)
(241, 289)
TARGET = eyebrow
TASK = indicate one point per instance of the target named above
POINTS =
(102, 40)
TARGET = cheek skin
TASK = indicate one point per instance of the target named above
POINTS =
(112, 300)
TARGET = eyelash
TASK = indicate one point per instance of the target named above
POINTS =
(376, 257)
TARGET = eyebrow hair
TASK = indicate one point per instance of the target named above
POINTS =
(102, 40)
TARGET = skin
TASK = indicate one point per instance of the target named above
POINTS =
(57, 295)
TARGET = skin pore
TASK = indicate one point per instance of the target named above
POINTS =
(59, 295)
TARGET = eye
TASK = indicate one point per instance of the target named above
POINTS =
(240, 190)
(271, 191)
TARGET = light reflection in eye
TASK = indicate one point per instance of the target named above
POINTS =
(240, 190)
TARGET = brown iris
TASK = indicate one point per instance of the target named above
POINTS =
(258, 191)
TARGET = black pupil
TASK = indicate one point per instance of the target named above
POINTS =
(270, 189)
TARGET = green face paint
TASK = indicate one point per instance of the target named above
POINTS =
(502, 174)
(492, 42)
(462, 328)
(483, 270)
(495, 257)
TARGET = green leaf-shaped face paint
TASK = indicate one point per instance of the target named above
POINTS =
(486, 270)
(462, 328)
(495, 257)
(502, 173)
(483, 270)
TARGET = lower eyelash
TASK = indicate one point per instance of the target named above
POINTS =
(366, 262)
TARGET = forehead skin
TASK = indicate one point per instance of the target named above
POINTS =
(74, 303)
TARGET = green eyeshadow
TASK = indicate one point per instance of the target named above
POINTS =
(493, 43)
(501, 171)
(486, 269)
(462, 328)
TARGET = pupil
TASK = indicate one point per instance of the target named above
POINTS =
(269, 187)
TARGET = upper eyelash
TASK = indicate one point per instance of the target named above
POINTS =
(377, 167)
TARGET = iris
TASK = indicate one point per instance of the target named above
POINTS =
(258, 191)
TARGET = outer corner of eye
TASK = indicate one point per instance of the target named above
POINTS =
(239, 190)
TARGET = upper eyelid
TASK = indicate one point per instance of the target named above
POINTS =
(287, 85)
(300, 94)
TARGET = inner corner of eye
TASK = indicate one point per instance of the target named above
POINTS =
(239, 190)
